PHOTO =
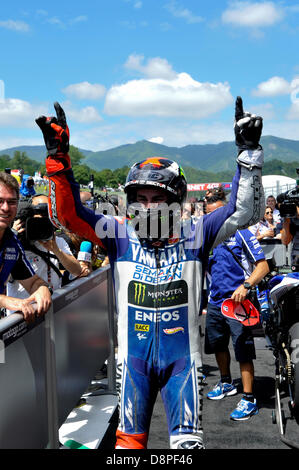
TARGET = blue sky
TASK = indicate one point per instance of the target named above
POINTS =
(161, 70)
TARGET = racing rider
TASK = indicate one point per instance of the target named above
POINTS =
(157, 273)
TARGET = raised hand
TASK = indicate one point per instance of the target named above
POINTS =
(55, 131)
(248, 127)
(56, 136)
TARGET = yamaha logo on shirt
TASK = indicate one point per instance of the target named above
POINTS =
(10, 254)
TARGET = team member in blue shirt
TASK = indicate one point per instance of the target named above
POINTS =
(13, 260)
(229, 280)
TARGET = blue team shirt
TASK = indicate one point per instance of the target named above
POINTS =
(224, 273)
(13, 260)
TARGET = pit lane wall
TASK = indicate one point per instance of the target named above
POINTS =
(45, 367)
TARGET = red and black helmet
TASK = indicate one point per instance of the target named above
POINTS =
(160, 173)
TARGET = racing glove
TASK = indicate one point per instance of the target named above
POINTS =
(248, 131)
(56, 136)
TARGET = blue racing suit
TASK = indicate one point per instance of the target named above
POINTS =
(158, 294)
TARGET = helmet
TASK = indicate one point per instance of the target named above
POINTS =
(157, 172)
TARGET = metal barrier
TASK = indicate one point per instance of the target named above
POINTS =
(46, 367)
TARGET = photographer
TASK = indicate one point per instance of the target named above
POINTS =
(14, 261)
(44, 250)
(289, 211)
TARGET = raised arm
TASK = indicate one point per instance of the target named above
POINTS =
(65, 208)
(246, 204)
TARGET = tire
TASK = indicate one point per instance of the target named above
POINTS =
(294, 350)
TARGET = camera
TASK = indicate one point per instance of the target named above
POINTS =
(39, 228)
(289, 202)
(36, 228)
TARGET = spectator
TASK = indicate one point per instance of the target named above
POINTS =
(271, 201)
(216, 193)
(192, 209)
(27, 187)
(213, 195)
(14, 261)
(74, 242)
(188, 210)
(266, 228)
(231, 276)
(98, 255)
(45, 255)
(198, 210)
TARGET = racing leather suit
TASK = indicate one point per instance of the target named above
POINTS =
(158, 293)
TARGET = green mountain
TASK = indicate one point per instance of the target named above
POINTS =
(211, 157)
(35, 152)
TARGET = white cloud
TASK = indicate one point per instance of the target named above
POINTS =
(294, 109)
(78, 19)
(85, 91)
(181, 96)
(266, 110)
(156, 140)
(102, 137)
(180, 12)
(86, 115)
(154, 68)
(277, 86)
(287, 129)
(19, 113)
(252, 14)
(293, 113)
(273, 87)
(56, 22)
(19, 26)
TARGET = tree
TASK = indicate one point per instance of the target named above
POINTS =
(106, 175)
(120, 174)
(21, 160)
(82, 173)
(76, 156)
(99, 181)
(5, 161)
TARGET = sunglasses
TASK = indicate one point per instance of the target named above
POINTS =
(269, 212)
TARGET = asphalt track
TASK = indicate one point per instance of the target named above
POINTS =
(220, 432)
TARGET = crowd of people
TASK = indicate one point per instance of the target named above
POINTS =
(158, 275)
(46, 257)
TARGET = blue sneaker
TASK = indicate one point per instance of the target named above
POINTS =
(222, 390)
(245, 409)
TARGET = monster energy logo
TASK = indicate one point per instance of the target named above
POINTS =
(147, 295)
(139, 292)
